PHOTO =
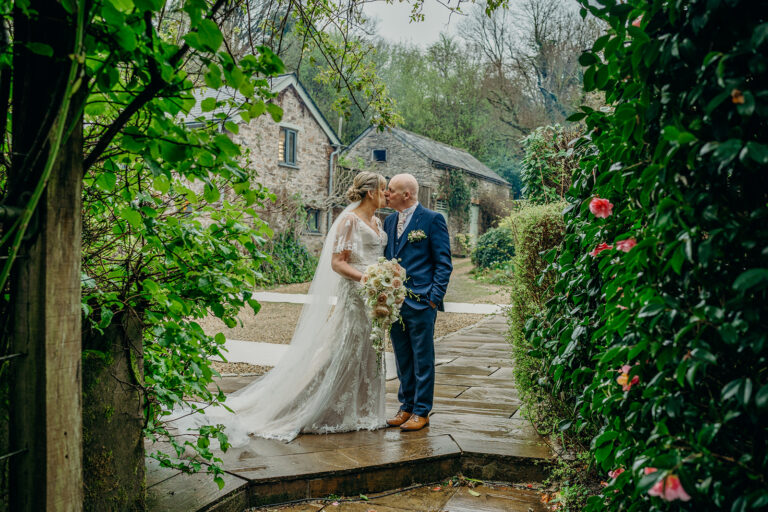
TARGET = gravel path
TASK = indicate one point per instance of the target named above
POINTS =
(275, 322)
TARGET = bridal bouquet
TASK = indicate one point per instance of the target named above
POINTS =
(384, 293)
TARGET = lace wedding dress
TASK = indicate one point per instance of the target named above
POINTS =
(328, 380)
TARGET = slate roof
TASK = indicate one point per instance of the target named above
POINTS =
(441, 155)
(277, 83)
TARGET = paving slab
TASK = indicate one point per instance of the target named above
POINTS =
(474, 428)
(494, 500)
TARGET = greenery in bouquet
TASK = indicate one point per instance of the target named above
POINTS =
(384, 292)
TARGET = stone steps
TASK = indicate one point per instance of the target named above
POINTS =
(475, 429)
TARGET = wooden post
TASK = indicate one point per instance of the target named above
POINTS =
(46, 400)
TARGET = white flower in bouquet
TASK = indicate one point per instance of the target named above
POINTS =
(384, 293)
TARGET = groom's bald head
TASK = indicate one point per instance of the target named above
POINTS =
(402, 192)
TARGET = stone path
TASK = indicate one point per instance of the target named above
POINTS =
(475, 429)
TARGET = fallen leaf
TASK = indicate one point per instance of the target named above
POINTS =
(473, 493)
(438, 488)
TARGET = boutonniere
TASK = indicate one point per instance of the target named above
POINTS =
(416, 235)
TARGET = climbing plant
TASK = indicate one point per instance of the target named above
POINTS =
(549, 162)
(456, 191)
(655, 338)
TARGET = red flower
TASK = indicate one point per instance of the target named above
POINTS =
(623, 379)
(626, 245)
(637, 21)
(600, 208)
(668, 488)
(600, 248)
(616, 472)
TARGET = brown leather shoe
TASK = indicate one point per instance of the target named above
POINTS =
(400, 418)
(414, 423)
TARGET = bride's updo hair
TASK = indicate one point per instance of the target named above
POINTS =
(363, 182)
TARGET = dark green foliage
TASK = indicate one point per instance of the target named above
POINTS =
(548, 163)
(682, 156)
(494, 248)
(289, 261)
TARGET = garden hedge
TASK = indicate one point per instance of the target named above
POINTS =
(657, 333)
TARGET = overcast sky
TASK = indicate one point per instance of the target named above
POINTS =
(395, 26)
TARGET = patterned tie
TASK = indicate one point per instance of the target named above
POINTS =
(400, 224)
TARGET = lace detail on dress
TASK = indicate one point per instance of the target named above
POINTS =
(335, 385)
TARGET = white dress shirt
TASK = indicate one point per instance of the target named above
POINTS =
(408, 215)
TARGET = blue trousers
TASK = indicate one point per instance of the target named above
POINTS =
(414, 346)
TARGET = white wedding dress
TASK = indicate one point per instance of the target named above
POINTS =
(328, 380)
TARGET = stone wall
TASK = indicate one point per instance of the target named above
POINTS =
(307, 180)
(401, 158)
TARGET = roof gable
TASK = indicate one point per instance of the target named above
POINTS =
(277, 85)
(439, 154)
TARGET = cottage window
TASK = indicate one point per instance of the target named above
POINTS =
(313, 220)
(441, 206)
(379, 155)
(287, 147)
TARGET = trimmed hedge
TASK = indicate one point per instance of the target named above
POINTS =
(534, 229)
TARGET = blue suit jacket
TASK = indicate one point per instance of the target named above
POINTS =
(427, 262)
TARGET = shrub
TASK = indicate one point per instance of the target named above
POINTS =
(534, 229)
(494, 248)
(661, 348)
(289, 261)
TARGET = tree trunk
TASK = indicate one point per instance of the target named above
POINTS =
(45, 383)
(113, 448)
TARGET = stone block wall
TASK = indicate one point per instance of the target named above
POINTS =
(308, 178)
(401, 158)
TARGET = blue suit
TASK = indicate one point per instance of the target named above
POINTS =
(428, 266)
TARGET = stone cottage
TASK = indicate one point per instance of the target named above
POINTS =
(395, 151)
(294, 158)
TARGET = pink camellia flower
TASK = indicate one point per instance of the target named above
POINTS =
(600, 208)
(637, 22)
(626, 245)
(668, 488)
(616, 472)
(623, 379)
(600, 248)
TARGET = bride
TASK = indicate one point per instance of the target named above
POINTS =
(328, 380)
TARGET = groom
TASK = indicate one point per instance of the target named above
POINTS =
(418, 237)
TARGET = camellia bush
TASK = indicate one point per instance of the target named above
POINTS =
(656, 338)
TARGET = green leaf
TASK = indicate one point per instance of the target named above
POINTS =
(40, 49)
(211, 193)
(132, 216)
(161, 184)
(753, 278)
(106, 181)
(208, 104)
(209, 34)
(588, 58)
(219, 481)
(758, 152)
(275, 111)
(173, 152)
(226, 145)
(761, 398)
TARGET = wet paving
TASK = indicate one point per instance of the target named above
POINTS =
(431, 498)
(475, 429)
